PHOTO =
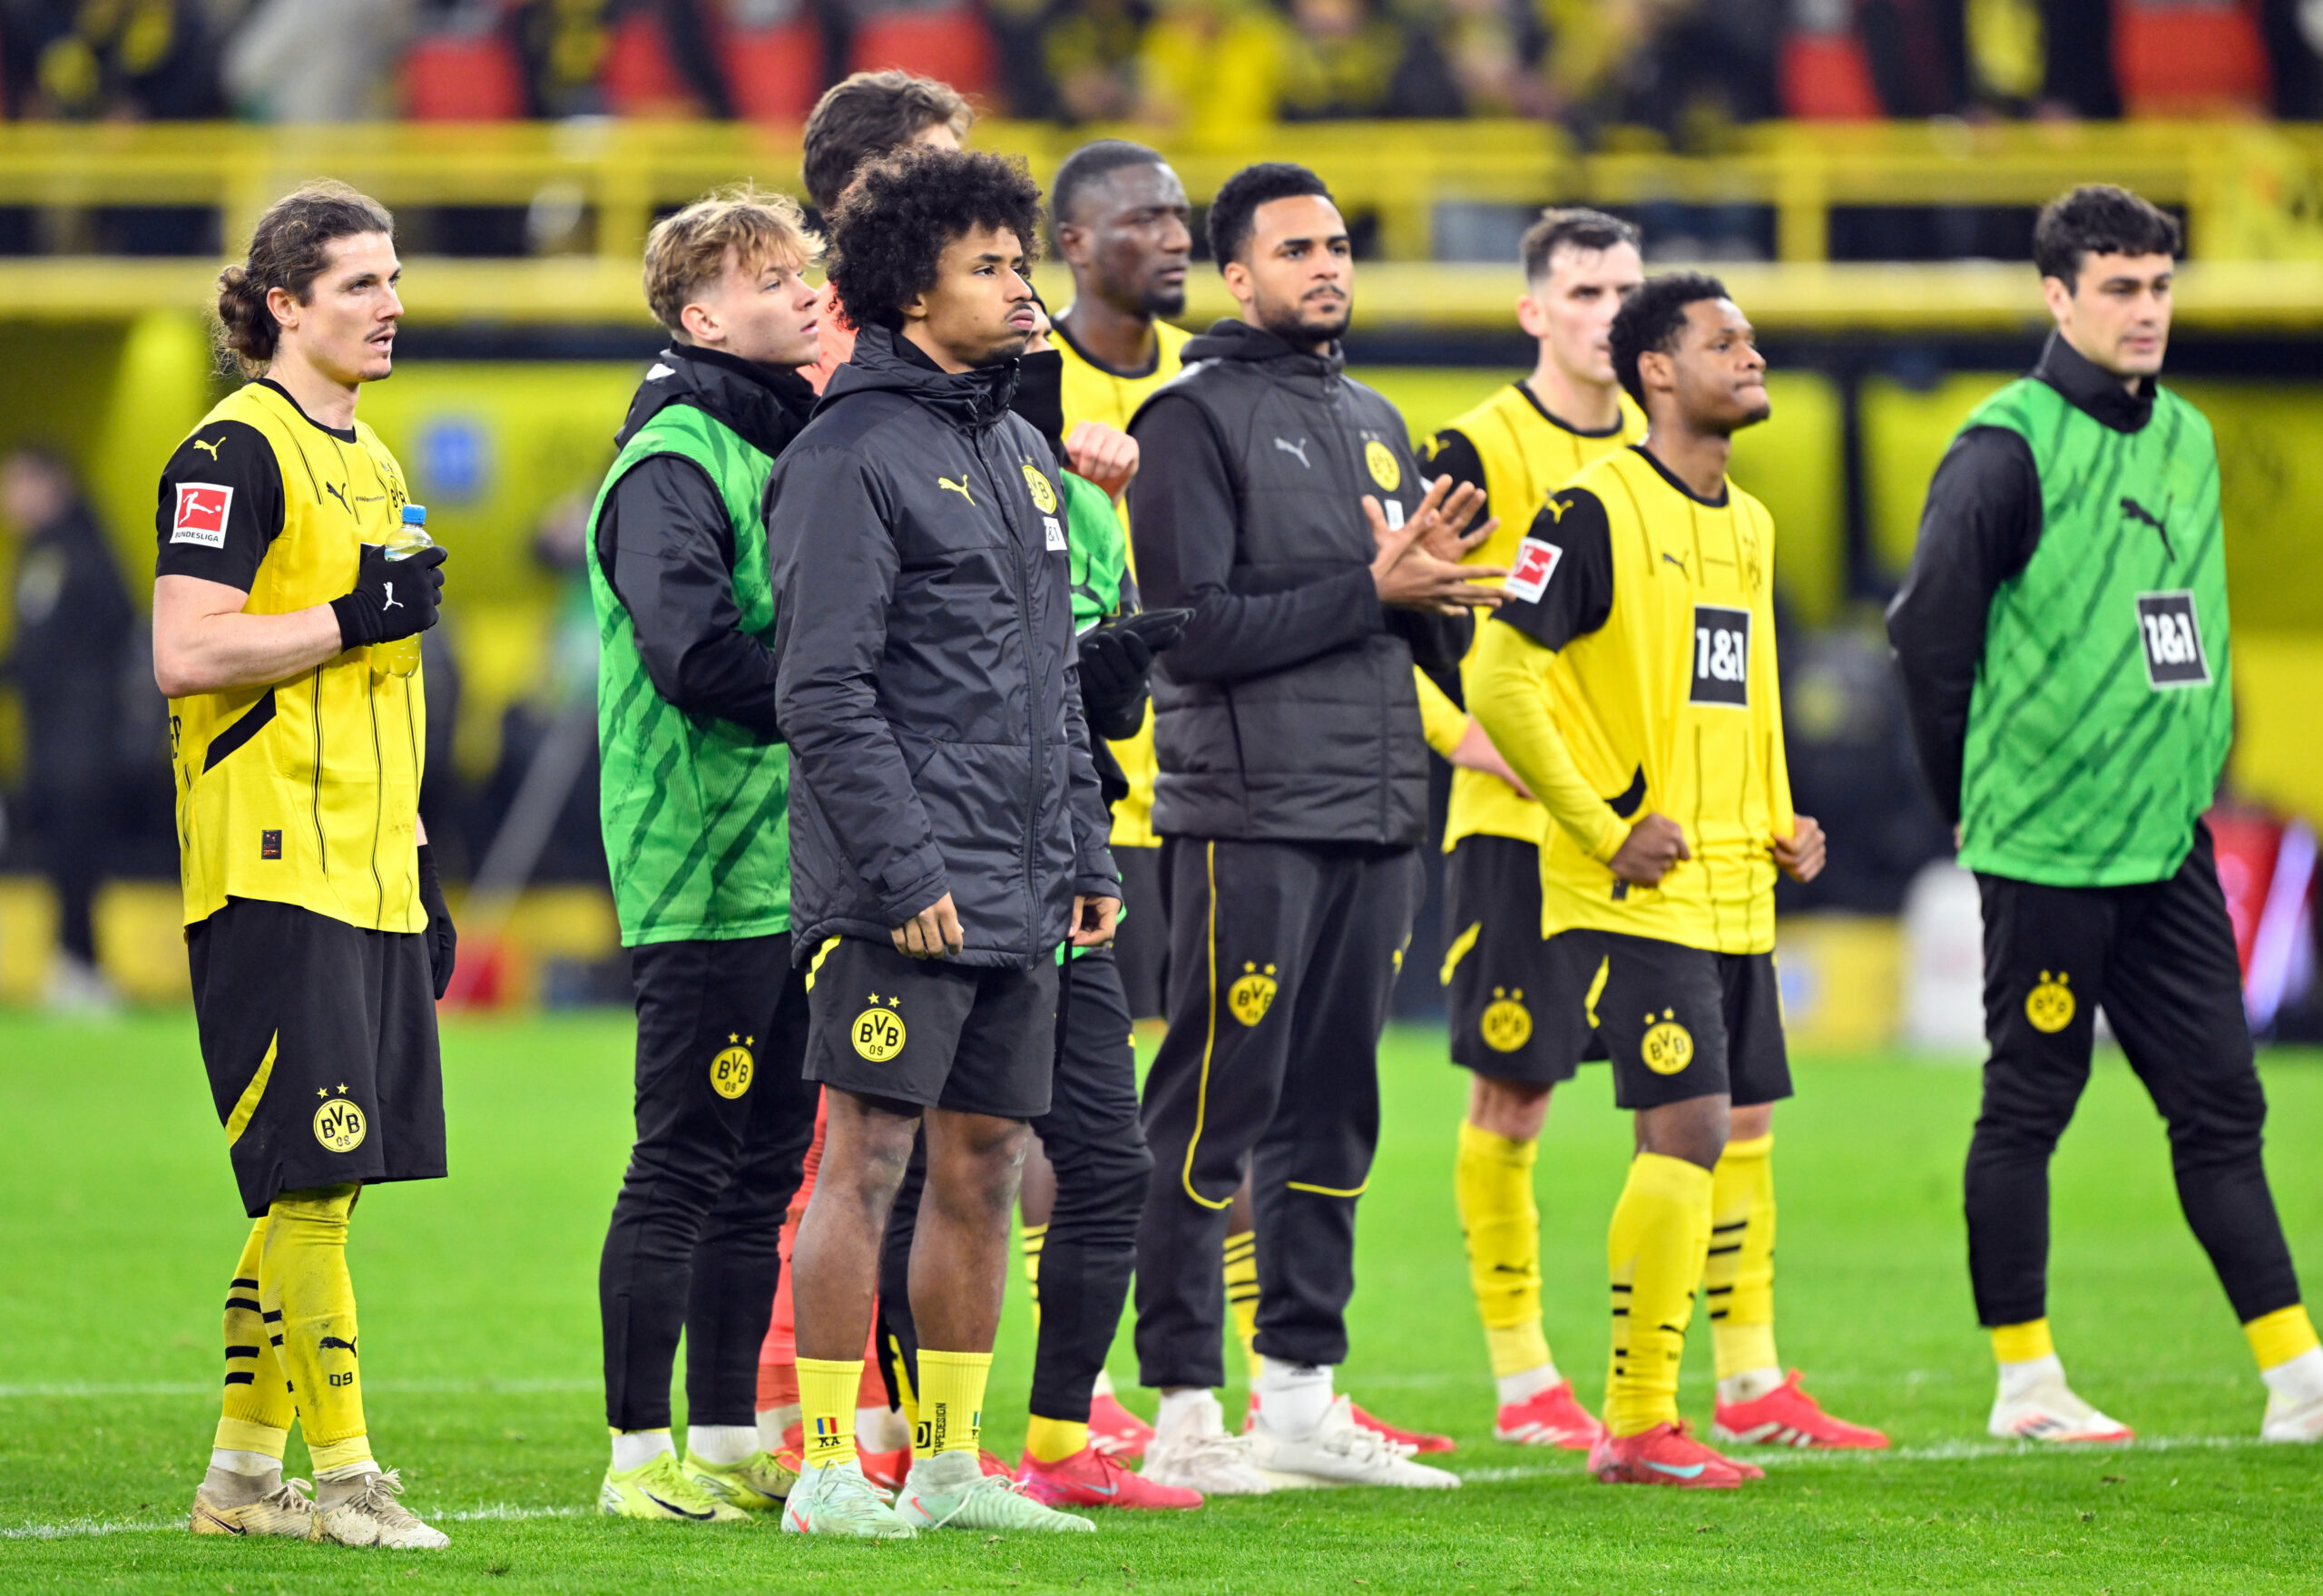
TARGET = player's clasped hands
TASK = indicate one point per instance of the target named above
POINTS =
(1418, 567)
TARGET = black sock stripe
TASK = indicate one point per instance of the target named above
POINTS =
(235, 1352)
(277, 1340)
(241, 1377)
(1719, 1290)
(1621, 1289)
(1621, 1313)
(234, 1302)
(1717, 1314)
(272, 1318)
(1736, 1225)
(1721, 1251)
(241, 1285)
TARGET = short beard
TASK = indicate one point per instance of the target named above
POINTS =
(1163, 301)
(1290, 324)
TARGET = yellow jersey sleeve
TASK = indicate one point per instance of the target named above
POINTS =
(1441, 721)
(1508, 687)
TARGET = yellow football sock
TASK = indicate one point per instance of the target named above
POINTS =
(2275, 1338)
(1739, 1279)
(827, 1387)
(257, 1409)
(302, 1276)
(1654, 1252)
(1053, 1440)
(1033, 1236)
(2022, 1342)
(1492, 1182)
(951, 1401)
(1243, 1293)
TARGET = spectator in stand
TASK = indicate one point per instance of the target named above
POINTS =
(151, 61)
(1089, 52)
(571, 49)
(1212, 69)
(73, 620)
(316, 60)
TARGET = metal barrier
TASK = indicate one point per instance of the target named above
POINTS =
(2249, 189)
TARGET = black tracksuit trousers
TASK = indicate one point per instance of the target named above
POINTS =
(1282, 960)
(716, 1160)
(2159, 958)
(1092, 1138)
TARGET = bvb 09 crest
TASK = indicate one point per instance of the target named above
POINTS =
(878, 1033)
(730, 1071)
(1506, 1024)
(1043, 495)
(2050, 1004)
(339, 1125)
(1668, 1047)
(1381, 461)
(1254, 995)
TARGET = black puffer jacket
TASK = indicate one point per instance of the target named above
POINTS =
(1286, 712)
(925, 664)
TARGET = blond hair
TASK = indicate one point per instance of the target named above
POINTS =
(686, 250)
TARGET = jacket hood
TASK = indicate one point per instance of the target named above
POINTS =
(764, 405)
(1229, 340)
(887, 362)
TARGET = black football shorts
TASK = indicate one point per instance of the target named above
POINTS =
(319, 1038)
(931, 1032)
(1678, 1022)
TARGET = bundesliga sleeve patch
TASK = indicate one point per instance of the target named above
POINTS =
(201, 519)
(1721, 657)
(1529, 572)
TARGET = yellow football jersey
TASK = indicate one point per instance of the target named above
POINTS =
(1099, 393)
(304, 791)
(1659, 607)
(1520, 454)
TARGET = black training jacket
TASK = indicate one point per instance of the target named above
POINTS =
(1286, 712)
(925, 671)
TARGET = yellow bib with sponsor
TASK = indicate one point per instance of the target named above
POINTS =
(1672, 707)
(1527, 455)
(307, 791)
(1094, 393)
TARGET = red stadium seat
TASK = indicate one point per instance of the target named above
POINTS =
(462, 77)
(953, 45)
(2190, 57)
(777, 72)
(638, 76)
(1825, 78)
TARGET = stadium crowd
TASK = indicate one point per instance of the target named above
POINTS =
(1683, 69)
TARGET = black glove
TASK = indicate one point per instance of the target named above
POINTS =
(443, 938)
(392, 598)
(1114, 663)
(1158, 628)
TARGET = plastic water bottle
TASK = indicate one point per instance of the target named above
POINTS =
(401, 657)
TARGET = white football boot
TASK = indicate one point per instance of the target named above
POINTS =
(1192, 1450)
(1339, 1452)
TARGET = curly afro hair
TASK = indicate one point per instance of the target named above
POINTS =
(893, 226)
(1653, 318)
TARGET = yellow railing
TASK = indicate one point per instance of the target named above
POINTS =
(2250, 189)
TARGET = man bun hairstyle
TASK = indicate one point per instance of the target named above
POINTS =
(869, 115)
(1571, 228)
(1651, 318)
(686, 250)
(1233, 214)
(890, 233)
(288, 250)
(2098, 218)
(1091, 163)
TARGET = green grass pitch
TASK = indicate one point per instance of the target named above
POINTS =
(481, 1346)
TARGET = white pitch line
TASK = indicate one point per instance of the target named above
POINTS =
(495, 1512)
(1941, 1452)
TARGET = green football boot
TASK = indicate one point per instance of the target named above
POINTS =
(756, 1484)
(659, 1490)
(837, 1500)
(951, 1491)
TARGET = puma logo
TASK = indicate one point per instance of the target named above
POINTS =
(210, 449)
(334, 1341)
(960, 488)
(2137, 512)
(1556, 509)
(333, 489)
(1299, 448)
(389, 589)
(1674, 560)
